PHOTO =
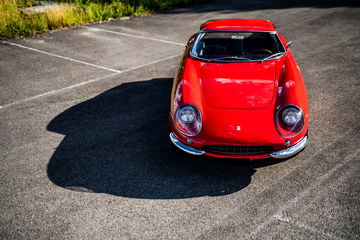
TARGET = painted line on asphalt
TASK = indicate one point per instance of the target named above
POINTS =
(344, 177)
(305, 192)
(56, 91)
(84, 83)
(62, 57)
(307, 227)
(147, 64)
(135, 36)
(235, 210)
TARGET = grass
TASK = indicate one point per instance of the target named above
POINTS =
(15, 22)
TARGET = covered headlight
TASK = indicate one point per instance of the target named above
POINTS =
(187, 114)
(289, 120)
(188, 119)
(291, 116)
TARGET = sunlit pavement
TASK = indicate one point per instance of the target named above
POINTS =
(84, 143)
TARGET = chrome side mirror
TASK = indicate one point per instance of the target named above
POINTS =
(288, 45)
(192, 38)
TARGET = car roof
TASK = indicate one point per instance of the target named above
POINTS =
(238, 24)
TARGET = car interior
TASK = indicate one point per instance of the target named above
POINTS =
(252, 45)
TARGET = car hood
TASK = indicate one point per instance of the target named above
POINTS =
(238, 85)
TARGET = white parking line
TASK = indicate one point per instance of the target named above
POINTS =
(147, 64)
(62, 57)
(305, 192)
(135, 36)
(57, 91)
(274, 216)
(84, 83)
(307, 227)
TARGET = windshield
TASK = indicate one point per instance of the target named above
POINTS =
(237, 46)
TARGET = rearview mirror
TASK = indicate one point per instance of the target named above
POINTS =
(288, 45)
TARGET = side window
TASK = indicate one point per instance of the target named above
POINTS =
(278, 43)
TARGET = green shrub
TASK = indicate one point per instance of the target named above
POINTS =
(15, 22)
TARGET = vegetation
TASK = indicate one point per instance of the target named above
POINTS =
(16, 21)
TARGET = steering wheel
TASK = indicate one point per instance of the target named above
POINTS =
(261, 50)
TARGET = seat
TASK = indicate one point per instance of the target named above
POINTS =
(213, 50)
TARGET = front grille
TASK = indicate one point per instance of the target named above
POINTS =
(236, 149)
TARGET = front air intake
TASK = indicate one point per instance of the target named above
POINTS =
(236, 149)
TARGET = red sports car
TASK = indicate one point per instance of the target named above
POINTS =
(239, 93)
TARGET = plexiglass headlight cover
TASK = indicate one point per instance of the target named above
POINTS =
(289, 121)
(188, 120)
(291, 116)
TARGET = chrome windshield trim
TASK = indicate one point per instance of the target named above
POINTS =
(234, 61)
(184, 147)
(275, 55)
(291, 151)
(237, 61)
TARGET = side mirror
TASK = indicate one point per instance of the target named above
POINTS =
(192, 38)
(288, 45)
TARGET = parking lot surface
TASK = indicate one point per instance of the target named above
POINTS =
(84, 142)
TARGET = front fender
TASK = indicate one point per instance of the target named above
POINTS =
(291, 89)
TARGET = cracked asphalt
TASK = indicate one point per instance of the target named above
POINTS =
(84, 145)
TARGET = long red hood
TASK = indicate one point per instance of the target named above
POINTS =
(238, 101)
(233, 96)
(238, 85)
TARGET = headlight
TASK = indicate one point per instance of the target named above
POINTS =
(187, 114)
(289, 121)
(188, 119)
(291, 116)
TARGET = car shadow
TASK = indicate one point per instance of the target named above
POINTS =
(117, 143)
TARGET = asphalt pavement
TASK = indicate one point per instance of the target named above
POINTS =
(84, 145)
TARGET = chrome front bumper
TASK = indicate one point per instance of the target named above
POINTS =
(291, 151)
(279, 154)
(183, 147)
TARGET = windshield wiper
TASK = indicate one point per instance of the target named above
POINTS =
(272, 56)
(229, 57)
